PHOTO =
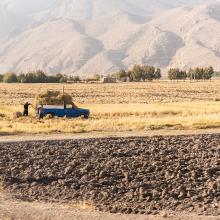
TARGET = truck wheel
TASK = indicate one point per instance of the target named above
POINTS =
(50, 115)
(40, 116)
(86, 116)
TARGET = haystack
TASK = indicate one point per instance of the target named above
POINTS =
(53, 98)
(17, 114)
(2, 115)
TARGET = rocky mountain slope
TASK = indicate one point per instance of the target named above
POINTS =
(99, 36)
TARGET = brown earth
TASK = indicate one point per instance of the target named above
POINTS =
(12, 209)
(151, 175)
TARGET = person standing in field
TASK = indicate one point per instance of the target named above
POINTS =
(26, 109)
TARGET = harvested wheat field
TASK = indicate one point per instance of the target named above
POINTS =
(151, 175)
(118, 107)
(141, 92)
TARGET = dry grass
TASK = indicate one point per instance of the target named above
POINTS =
(118, 107)
(119, 117)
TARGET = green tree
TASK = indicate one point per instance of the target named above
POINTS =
(129, 74)
(157, 74)
(177, 74)
(173, 73)
(137, 73)
(195, 73)
(52, 79)
(96, 77)
(208, 73)
(1, 78)
(29, 78)
(148, 72)
(21, 78)
(76, 79)
(182, 75)
(40, 76)
(10, 77)
(121, 75)
(63, 79)
(200, 73)
(59, 77)
(191, 74)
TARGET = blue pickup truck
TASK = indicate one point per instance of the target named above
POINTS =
(61, 111)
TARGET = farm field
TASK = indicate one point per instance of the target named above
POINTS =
(157, 175)
(118, 107)
(90, 175)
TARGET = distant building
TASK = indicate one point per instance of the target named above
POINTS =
(108, 79)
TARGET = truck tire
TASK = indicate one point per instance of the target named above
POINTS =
(51, 115)
(86, 116)
(40, 116)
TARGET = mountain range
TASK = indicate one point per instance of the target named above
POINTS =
(102, 36)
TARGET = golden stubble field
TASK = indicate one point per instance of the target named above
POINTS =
(118, 107)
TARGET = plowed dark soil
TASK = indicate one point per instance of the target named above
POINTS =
(123, 175)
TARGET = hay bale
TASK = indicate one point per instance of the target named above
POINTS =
(17, 114)
(52, 98)
(2, 115)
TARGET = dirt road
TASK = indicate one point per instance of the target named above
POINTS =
(12, 209)
(4, 137)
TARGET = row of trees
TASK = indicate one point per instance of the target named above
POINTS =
(139, 73)
(193, 74)
(41, 77)
(136, 74)
(35, 77)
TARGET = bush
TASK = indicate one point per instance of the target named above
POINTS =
(216, 74)
(10, 78)
(96, 77)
